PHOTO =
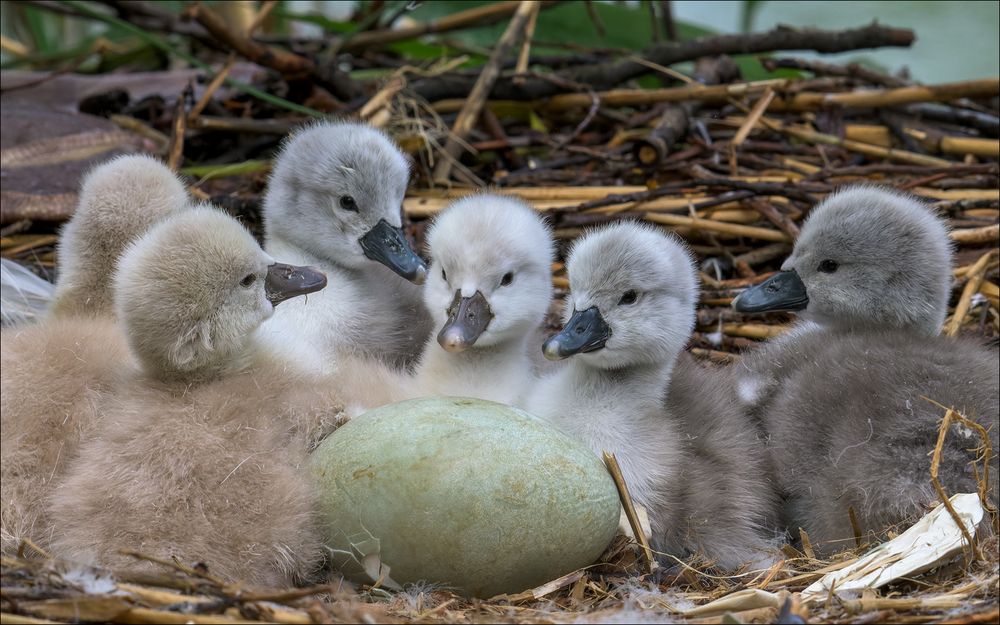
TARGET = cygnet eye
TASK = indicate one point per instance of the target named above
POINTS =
(348, 204)
(507, 278)
(828, 266)
(628, 297)
(444, 276)
(248, 280)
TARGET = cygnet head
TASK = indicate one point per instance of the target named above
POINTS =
(119, 201)
(193, 289)
(336, 192)
(490, 278)
(633, 291)
(867, 257)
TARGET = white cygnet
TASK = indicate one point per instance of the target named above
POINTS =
(488, 291)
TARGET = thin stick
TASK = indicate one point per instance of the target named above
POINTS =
(525, 54)
(176, 150)
(855, 526)
(807, 547)
(871, 98)
(265, 9)
(754, 117)
(27, 542)
(633, 519)
(212, 87)
(974, 278)
(776, 217)
(986, 455)
(935, 465)
(812, 136)
(717, 226)
(976, 236)
(639, 97)
(469, 114)
(174, 564)
(287, 63)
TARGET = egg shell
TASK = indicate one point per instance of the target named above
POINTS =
(476, 495)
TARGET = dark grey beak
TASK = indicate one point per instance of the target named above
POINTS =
(584, 332)
(468, 318)
(782, 291)
(386, 244)
(288, 281)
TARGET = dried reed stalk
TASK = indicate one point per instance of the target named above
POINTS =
(935, 465)
(974, 278)
(469, 114)
(633, 518)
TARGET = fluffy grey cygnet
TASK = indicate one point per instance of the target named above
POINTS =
(202, 454)
(488, 291)
(333, 201)
(687, 454)
(867, 258)
(842, 400)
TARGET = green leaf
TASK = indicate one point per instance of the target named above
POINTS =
(537, 123)
(36, 21)
(748, 11)
(627, 27)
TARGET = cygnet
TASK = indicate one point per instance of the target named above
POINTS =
(488, 291)
(201, 455)
(687, 455)
(119, 201)
(53, 373)
(333, 201)
(845, 402)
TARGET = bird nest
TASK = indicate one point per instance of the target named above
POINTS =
(733, 166)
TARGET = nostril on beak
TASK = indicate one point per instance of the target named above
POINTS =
(421, 276)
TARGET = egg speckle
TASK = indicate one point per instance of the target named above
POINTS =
(472, 494)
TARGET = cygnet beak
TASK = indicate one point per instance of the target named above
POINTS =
(782, 291)
(288, 281)
(468, 318)
(586, 331)
(386, 244)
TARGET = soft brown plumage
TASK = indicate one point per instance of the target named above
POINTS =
(202, 454)
(119, 201)
(53, 373)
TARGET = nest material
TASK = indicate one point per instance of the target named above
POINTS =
(731, 166)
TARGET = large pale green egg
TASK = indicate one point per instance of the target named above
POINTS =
(470, 493)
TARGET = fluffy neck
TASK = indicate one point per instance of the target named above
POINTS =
(499, 372)
(619, 411)
(926, 324)
(209, 365)
(637, 387)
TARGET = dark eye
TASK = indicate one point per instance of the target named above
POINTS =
(507, 278)
(248, 280)
(828, 266)
(348, 204)
(444, 276)
(628, 297)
